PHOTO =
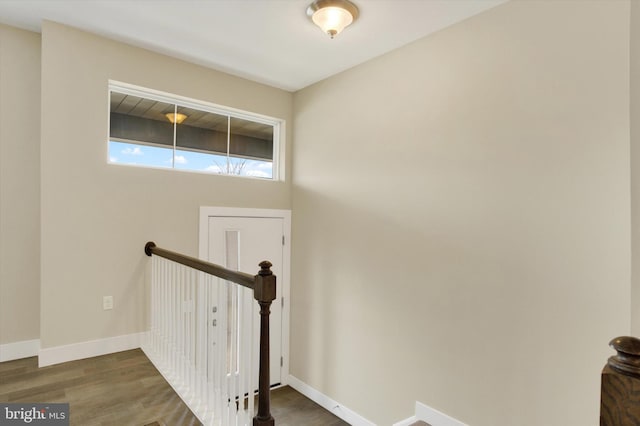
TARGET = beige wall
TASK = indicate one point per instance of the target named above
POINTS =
(480, 256)
(635, 167)
(97, 217)
(19, 185)
(461, 220)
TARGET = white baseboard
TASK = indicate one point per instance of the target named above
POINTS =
(407, 422)
(18, 350)
(59, 354)
(431, 416)
(328, 404)
(435, 417)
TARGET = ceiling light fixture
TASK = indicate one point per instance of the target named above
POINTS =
(175, 117)
(332, 16)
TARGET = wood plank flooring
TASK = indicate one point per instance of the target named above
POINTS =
(125, 389)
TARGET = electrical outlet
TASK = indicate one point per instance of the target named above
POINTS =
(107, 303)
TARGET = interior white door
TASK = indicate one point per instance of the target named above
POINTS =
(241, 243)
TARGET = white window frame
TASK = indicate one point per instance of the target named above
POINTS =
(156, 95)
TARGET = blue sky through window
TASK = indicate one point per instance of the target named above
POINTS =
(153, 156)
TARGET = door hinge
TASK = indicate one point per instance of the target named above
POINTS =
(281, 361)
(282, 303)
(283, 240)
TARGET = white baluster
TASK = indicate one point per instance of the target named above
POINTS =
(211, 367)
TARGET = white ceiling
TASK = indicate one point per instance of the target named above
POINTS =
(269, 41)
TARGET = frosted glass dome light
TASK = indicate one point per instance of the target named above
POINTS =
(332, 16)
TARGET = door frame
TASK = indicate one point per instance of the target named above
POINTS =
(283, 281)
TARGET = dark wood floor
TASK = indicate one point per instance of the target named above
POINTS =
(125, 389)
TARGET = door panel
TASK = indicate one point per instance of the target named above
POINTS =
(241, 243)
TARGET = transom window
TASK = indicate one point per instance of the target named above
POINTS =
(152, 129)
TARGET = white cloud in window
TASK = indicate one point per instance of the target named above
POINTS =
(214, 168)
(180, 159)
(257, 173)
(113, 159)
(132, 151)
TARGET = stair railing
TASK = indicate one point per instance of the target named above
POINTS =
(620, 391)
(205, 364)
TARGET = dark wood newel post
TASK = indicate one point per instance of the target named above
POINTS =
(265, 293)
(620, 392)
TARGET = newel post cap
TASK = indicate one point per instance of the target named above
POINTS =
(265, 283)
(627, 359)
